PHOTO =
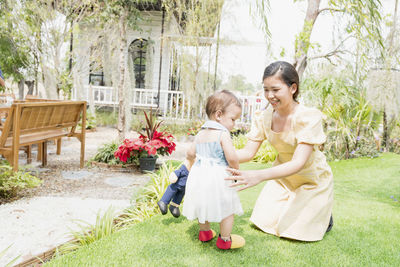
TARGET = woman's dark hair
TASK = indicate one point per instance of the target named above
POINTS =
(286, 72)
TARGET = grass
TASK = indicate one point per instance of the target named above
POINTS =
(366, 230)
(106, 117)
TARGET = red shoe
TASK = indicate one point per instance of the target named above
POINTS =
(236, 242)
(205, 236)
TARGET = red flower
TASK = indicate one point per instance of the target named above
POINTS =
(162, 143)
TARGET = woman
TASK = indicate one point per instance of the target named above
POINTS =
(297, 200)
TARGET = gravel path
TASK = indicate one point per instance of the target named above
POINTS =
(41, 218)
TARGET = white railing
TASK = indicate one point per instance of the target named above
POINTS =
(172, 104)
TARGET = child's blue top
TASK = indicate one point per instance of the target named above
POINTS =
(211, 152)
(1, 74)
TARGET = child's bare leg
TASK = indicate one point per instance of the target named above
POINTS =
(204, 226)
(226, 240)
(225, 227)
(205, 233)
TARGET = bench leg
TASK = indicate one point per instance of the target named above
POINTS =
(82, 153)
(58, 146)
(29, 154)
(44, 153)
(14, 160)
(39, 152)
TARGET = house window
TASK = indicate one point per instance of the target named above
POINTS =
(96, 73)
(137, 51)
(96, 78)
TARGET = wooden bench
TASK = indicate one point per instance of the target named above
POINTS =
(39, 122)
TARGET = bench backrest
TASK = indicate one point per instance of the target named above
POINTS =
(32, 98)
(27, 118)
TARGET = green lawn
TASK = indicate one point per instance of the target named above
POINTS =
(366, 230)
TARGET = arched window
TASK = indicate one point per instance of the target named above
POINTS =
(96, 73)
(137, 51)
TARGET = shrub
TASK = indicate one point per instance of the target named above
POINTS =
(394, 142)
(89, 233)
(106, 117)
(13, 182)
(90, 121)
(240, 129)
(146, 200)
(239, 141)
(106, 154)
(266, 153)
(179, 129)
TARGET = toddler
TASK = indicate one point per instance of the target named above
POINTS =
(209, 198)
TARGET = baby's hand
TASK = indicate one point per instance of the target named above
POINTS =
(173, 178)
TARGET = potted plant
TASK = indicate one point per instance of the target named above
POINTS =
(145, 149)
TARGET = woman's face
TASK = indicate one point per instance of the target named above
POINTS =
(278, 93)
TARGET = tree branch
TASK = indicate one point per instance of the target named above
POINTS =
(334, 52)
(330, 9)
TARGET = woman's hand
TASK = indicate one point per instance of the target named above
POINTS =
(246, 178)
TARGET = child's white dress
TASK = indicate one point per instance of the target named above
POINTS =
(208, 196)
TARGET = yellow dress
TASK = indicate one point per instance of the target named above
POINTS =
(298, 206)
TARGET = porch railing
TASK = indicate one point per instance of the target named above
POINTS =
(172, 104)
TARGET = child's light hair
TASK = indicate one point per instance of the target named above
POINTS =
(220, 101)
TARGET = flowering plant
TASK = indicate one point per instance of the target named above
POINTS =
(151, 143)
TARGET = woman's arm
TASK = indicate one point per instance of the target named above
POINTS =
(252, 178)
(249, 151)
(2, 83)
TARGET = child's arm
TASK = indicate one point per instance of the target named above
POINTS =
(249, 151)
(229, 150)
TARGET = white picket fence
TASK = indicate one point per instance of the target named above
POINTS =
(172, 105)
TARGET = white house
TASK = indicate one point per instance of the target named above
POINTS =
(151, 55)
(153, 72)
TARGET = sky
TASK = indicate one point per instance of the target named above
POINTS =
(285, 21)
(250, 59)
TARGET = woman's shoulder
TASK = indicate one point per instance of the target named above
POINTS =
(306, 109)
(304, 112)
(307, 115)
(308, 125)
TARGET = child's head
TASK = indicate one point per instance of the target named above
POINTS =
(224, 107)
(286, 72)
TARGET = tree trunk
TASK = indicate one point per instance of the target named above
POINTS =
(393, 30)
(30, 85)
(385, 131)
(302, 43)
(121, 85)
(21, 87)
